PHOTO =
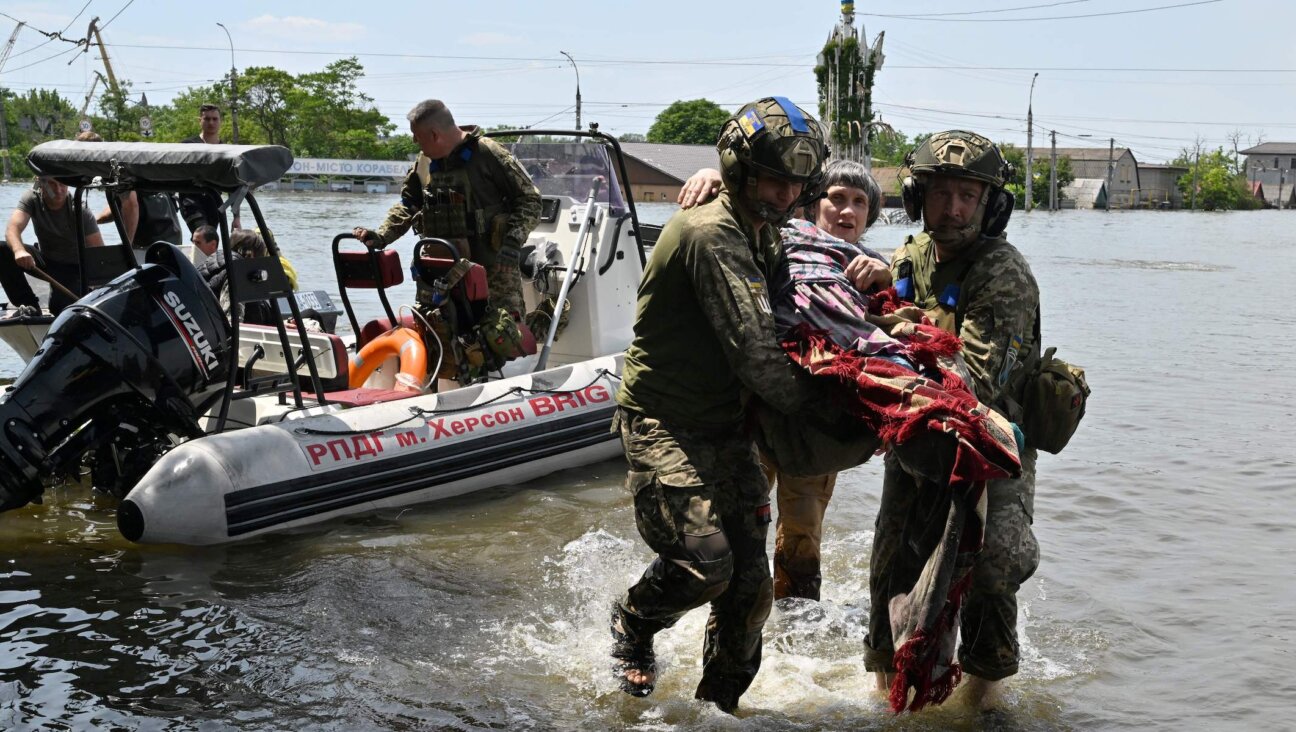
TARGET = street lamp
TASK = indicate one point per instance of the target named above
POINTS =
(1030, 129)
(233, 86)
(573, 63)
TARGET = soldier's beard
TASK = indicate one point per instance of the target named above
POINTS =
(956, 237)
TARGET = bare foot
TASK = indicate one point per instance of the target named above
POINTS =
(882, 681)
(639, 677)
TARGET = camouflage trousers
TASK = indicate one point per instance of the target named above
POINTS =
(802, 502)
(988, 622)
(702, 504)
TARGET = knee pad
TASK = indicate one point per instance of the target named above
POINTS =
(707, 562)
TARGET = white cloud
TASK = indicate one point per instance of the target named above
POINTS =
(490, 39)
(299, 28)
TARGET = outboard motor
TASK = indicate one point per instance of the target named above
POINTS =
(121, 371)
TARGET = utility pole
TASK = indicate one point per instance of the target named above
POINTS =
(1030, 151)
(103, 51)
(4, 127)
(1196, 165)
(573, 63)
(1282, 175)
(1111, 167)
(233, 86)
(1053, 202)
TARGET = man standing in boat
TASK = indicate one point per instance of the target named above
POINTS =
(204, 208)
(469, 190)
(53, 217)
(703, 346)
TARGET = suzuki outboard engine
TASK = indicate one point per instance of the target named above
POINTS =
(121, 372)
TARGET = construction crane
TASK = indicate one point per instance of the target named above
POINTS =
(90, 94)
(4, 126)
(93, 32)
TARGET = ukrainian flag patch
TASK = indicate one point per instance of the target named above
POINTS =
(756, 286)
(751, 123)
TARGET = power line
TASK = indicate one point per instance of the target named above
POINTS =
(119, 12)
(50, 37)
(983, 12)
(1049, 17)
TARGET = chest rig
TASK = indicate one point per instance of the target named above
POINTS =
(936, 288)
(447, 196)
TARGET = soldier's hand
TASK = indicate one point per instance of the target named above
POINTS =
(24, 260)
(701, 187)
(365, 235)
(867, 272)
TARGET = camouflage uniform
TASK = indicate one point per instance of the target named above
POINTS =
(479, 197)
(988, 296)
(704, 341)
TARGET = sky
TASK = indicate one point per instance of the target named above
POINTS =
(1156, 75)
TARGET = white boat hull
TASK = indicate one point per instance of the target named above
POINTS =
(234, 485)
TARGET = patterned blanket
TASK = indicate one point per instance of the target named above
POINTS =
(898, 376)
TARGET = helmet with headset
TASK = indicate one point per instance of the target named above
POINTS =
(960, 154)
(772, 136)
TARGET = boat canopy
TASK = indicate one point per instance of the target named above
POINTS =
(161, 164)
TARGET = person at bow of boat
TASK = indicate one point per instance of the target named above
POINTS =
(852, 202)
(467, 189)
(53, 218)
(703, 348)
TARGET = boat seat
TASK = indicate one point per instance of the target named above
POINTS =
(378, 326)
(332, 361)
(363, 397)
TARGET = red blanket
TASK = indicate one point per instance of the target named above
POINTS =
(926, 420)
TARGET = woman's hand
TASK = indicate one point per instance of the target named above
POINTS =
(867, 273)
(701, 187)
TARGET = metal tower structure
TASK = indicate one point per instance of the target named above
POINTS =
(4, 127)
(845, 70)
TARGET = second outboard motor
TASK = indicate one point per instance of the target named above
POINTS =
(121, 371)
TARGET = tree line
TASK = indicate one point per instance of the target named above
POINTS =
(323, 114)
(319, 114)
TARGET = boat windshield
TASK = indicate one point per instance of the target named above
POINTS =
(569, 169)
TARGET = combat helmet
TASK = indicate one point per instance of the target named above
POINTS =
(775, 137)
(960, 154)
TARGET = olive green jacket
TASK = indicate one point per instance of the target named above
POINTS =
(704, 332)
(498, 183)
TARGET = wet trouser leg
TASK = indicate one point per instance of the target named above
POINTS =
(802, 503)
(13, 279)
(902, 541)
(702, 504)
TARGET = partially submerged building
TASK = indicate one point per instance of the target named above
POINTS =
(1272, 164)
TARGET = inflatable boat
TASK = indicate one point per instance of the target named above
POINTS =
(211, 430)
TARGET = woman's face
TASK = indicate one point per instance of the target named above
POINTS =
(844, 213)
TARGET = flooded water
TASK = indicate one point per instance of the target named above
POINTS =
(1162, 600)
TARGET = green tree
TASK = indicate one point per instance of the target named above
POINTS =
(1219, 186)
(32, 118)
(890, 147)
(634, 137)
(693, 122)
(1016, 157)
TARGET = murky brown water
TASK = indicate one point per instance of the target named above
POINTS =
(1162, 602)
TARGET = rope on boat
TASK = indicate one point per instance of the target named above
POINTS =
(421, 413)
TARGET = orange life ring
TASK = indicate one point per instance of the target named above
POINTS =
(405, 344)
